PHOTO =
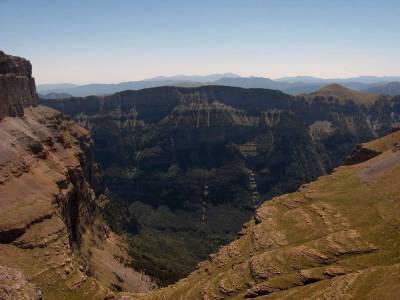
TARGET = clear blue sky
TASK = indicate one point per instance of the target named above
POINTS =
(112, 41)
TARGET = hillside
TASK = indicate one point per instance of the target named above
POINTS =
(342, 93)
(335, 238)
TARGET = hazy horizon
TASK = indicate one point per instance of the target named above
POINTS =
(102, 41)
(329, 79)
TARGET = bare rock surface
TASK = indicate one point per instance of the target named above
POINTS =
(17, 86)
(46, 199)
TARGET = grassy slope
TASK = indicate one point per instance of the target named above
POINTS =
(384, 143)
(337, 237)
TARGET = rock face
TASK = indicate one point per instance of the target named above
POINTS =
(193, 163)
(47, 199)
(335, 238)
(49, 189)
(360, 154)
(17, 87)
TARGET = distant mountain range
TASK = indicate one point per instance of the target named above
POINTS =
(54, 95)
(195, 78)
(388, 85)
(359, 79)
(391, 88)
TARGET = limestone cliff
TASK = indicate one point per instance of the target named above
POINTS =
(17, 87)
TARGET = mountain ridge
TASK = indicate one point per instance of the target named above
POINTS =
(390, 88)
(292, 85)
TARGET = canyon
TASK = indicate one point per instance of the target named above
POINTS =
(188, 166)
(208, 192)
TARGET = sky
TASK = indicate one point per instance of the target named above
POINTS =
(86, 41)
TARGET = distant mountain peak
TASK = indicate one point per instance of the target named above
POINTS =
(343, 93)
(335, 87)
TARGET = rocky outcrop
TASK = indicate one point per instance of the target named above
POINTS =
(360, 154)
(366, 151)
(17, 87)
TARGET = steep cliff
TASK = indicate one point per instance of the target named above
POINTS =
(17, 87)
(46, 200)
(335, 238)
(49, 185)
